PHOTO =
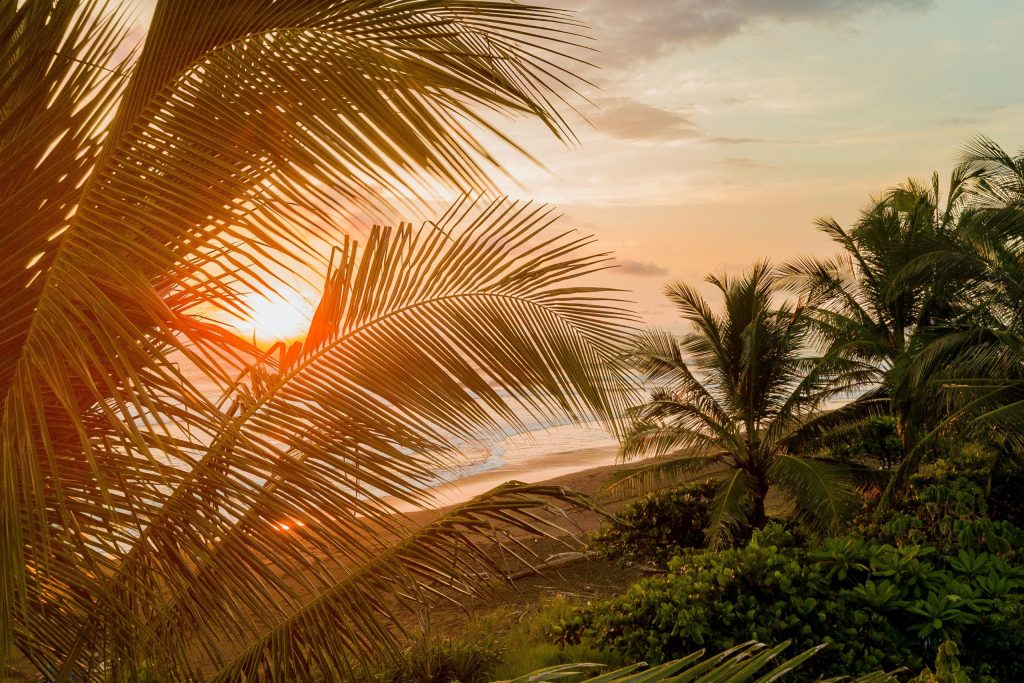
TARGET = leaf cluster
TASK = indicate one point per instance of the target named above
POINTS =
(876, 605)
(657, 526)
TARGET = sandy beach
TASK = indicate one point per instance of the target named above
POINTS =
(578, 469)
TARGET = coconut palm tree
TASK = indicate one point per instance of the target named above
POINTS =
(876, 302)
(976, 359)
(736, 394)
(250, 532)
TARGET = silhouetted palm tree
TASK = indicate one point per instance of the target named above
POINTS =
(976, 359)
(146, 522)
(877, 302)
(736, 393)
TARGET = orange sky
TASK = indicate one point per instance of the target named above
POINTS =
(723, 128)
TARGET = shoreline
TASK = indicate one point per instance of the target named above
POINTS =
(575, 469)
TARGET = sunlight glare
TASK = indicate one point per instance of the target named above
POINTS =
(277, 317)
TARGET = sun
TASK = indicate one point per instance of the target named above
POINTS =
(273, 317)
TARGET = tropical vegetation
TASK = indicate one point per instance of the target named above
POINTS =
(151, 525)
(912, 333)
(179, 503)
(658, 526)
(735, 396)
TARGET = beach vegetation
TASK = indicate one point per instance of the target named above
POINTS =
(878, 601)
(657, 526)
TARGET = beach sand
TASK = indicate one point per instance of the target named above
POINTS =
(583, 470)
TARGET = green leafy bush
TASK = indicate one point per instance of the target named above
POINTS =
(875, 441)
(658, 526)
(951, 515)
(877, 606)
(448, 660)
(947, 667)
(995, 469)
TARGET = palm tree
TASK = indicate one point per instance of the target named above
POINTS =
(142, 519)
(737, 393)
(976, 360)
(876, 303)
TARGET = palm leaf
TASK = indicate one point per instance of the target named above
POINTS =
(450, 557)
(142, 192)
(820, 490)
(731, 507)
(836, 422)
(660, 473)
(405, 359)
(736, 665)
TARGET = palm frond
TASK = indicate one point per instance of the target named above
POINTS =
(660, 473)
(835, 422)
(736, 665)
(360, 615)
(731, 508)
(140, 192)
(667, 427)
(425, 337)
(821, 492)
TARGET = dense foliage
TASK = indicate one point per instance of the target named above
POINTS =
(880, 599)
(873, 441)
(657, 526)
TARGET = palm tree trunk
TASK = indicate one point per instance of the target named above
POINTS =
(758, 516)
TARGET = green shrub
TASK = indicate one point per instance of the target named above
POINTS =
(950, 514)
(658, 526)
(947, 667)
(877, 606)
(992, 648)
(875, 441)
(448, 660)
(999, 474)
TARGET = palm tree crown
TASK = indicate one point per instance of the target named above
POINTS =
(735, 392)
(141, 518)
(876, 303)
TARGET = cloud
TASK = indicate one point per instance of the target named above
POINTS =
(743, 162)
(643, 268)
(734, 141)
(649, 29)
(628, 119)
(631, 120)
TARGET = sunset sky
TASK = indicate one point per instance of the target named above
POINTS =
(725, 127)
(721, 129)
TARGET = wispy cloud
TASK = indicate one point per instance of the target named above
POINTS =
(628, 119)
(719, 140)
(743, 162)
(649, 29)
(643, 268)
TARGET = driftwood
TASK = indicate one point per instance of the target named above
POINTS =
(556, 560)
